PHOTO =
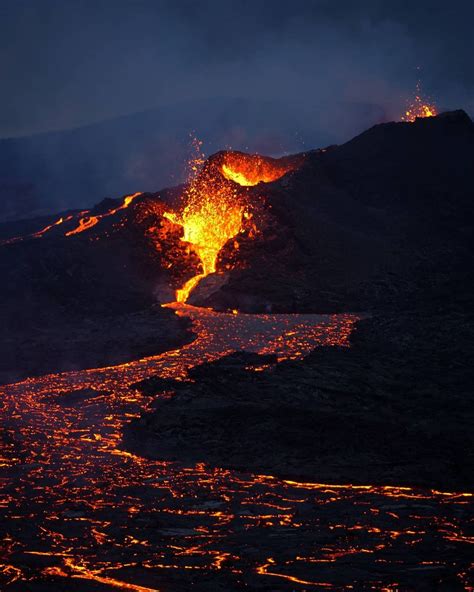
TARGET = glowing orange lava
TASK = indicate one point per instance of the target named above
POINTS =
(419, 107)
(47, 228)
(208, 222)
(212, 214)
(89, 221)
(216, 206)
(76, 508)
(86, 221)
(251, 169)
(84, 224)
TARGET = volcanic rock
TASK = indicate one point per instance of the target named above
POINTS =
(356, 226)
(88, 300)
(394, 408)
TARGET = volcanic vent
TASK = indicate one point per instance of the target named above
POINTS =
(419, 106)
(218, 206)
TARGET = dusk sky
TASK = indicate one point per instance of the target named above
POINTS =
(71, 62)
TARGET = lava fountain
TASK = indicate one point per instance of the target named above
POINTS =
(419, 107)
(216, 207)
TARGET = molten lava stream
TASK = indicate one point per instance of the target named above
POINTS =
(86, 221)
(77, 506)
(182, 294)
(89, 221)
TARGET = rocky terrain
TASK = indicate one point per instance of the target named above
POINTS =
(85, 300)
(359, 226)
(283, 470)
(395, 408)
(382, 224)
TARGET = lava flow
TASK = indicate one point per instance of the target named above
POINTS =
(419, 107)
(216, 207)
(85, 221)
(79, 512)
(89, 221)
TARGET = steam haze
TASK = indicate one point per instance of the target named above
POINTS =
(69, 63)
(127, 81)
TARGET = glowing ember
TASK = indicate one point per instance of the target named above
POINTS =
(251, 169)
(419, 107)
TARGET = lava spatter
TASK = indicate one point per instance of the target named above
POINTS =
(216, 206)
(419, 107)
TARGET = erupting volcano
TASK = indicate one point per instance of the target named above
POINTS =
(419, 107)
(216, 208)
(149, 446)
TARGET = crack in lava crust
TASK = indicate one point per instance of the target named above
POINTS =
(75, 505)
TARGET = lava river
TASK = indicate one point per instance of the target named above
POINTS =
(81, 513)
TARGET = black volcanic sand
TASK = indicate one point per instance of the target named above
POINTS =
(395, 408)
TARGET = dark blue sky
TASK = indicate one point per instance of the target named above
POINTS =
(69, 62)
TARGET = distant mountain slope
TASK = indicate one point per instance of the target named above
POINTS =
(140, 152)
